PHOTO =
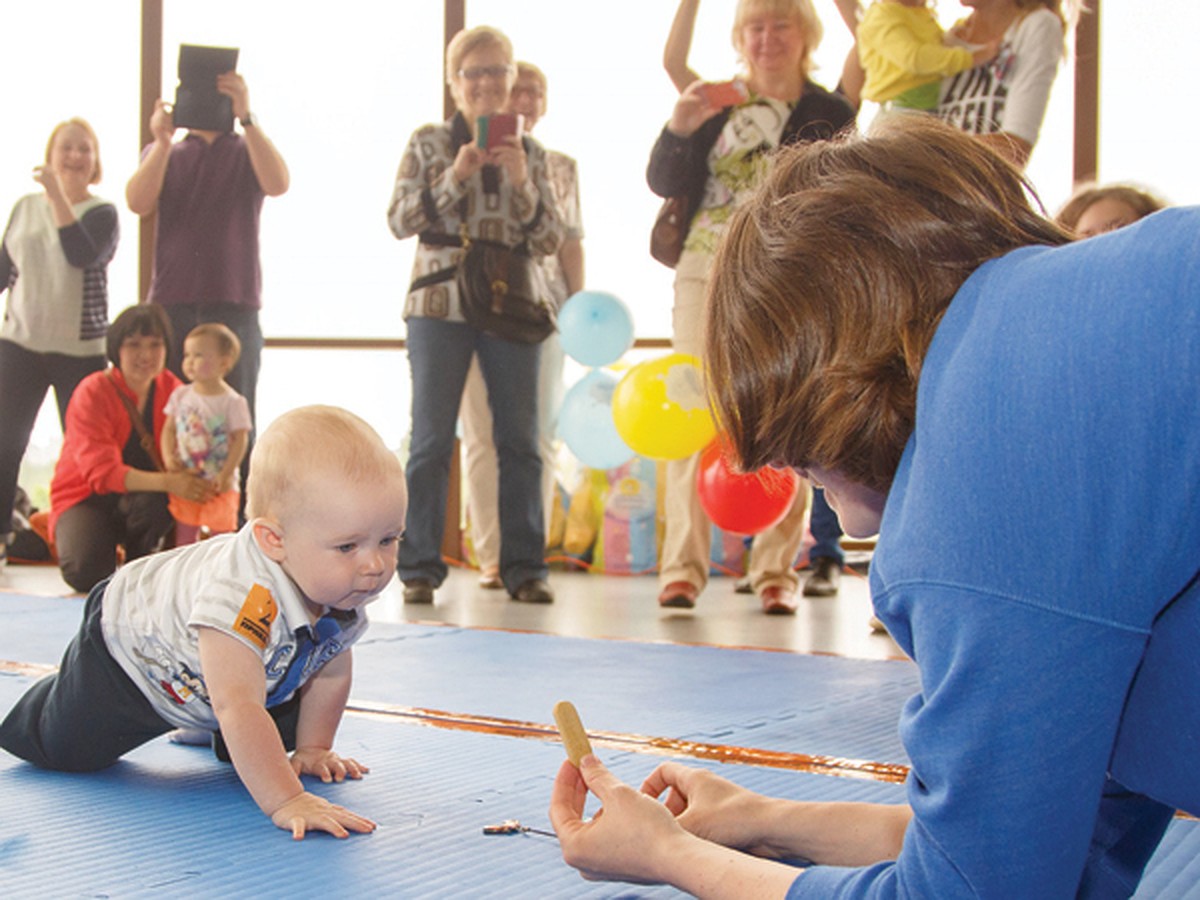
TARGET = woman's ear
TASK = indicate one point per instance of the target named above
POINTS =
(268, 534)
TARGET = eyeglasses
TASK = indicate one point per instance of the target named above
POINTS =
(535, 92)
(475, 73)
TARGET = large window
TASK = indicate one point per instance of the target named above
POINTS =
(1148, 130)
(340, 87)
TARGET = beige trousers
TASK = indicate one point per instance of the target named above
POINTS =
(687, 535)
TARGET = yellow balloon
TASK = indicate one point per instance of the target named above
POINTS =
(660, 409)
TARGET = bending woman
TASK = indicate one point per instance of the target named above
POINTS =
(109, 489)
(890, 316)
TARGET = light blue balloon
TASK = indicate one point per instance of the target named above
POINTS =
(585, 422)
(595, 328)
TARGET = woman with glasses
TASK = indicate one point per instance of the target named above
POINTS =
(449, 186)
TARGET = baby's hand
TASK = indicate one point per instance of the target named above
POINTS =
(326, 765)
(308, 812)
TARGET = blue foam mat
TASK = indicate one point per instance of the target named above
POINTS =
(758, 698)
(170, 819)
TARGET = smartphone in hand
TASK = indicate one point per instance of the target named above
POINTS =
(720, 94)
(491, 131)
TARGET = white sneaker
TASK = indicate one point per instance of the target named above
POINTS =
(193, 737)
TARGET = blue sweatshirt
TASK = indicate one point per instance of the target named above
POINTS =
(1038, 558)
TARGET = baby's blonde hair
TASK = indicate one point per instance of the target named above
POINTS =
(313, 442)
(228, 344)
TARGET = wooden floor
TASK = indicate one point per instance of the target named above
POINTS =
(614, 607)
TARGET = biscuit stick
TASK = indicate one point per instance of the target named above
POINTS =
(574, 738)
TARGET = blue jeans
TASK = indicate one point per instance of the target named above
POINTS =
(439, 355)
(826, 530)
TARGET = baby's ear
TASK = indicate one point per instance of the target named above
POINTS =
(269, 536)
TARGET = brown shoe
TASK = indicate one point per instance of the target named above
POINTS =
(678, 595)
(825, 577)
(535, 590)
(778, 601)
(418, 591)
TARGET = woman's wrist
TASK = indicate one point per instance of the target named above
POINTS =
(704, 869)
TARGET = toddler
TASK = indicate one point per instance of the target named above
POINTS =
(247, 632)
(900, 46)
(208, 431)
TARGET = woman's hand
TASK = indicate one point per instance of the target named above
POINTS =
(470, 159)
(190, 486)
(48, 178)
(510, 156)
(711, 807)
(691, 111)
(632, 838)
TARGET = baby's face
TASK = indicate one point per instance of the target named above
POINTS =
(203, 359)
(341, 544)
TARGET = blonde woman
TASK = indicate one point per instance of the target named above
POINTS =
(53, 262)
(716, 155)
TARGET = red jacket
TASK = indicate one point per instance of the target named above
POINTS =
(98, 428)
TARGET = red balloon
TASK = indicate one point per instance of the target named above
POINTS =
(743, 503)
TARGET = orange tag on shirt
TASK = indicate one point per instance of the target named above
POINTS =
(256, 615)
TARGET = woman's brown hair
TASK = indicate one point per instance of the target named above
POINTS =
(142, 319)
(831, 281)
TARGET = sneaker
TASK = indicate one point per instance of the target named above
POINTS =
(742, 585)
(489, 578)
(825, 578)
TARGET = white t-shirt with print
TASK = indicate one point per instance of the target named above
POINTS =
(153, 609)
(1010, 93)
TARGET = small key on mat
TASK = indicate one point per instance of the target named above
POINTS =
(512, 826)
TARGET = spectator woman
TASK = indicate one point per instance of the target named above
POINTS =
(447, 186)
(715, 154)
(109, 489)
(53, 262)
